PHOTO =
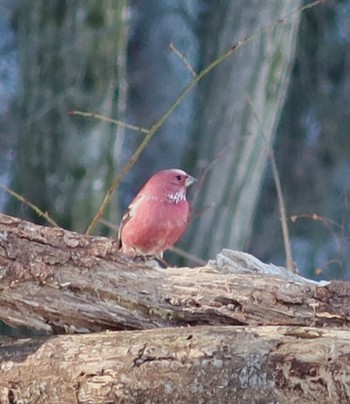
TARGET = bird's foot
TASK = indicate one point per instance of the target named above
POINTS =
(151, 260)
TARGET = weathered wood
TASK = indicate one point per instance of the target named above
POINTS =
(183, 365)
(56, 280)
(59, 281)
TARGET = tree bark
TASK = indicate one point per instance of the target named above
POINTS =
(242, 331)
(72, 56)
(56, 280)
(185, 365)
(313, 139)
(232, 139)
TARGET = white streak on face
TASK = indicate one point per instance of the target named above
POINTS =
(178, 196)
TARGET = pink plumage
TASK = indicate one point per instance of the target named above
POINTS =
(157, 216)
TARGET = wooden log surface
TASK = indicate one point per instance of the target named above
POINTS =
(242, 331)
(227, 364)
(59, 281)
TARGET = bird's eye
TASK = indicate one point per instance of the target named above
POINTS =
(179, 177)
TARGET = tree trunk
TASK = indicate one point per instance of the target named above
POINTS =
(232, 139)
(313, 144)
(70, 58)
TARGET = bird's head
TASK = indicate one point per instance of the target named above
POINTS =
(169, 183)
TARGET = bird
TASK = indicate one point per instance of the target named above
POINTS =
(157, 216)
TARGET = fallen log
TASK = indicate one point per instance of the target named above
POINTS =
(55, 280)
(241, 331)
(183, 365)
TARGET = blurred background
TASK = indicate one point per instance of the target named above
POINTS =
(287, 88)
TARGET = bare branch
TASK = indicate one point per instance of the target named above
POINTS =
(159, 123)
(184, 59)
(37, 210)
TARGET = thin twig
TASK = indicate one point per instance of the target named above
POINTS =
(151, 132)
(185, 254)
(38, 211)
(110, 120)
(281, 202)
(328, 223)
(183, 58)
(290, 265)
(204, 173)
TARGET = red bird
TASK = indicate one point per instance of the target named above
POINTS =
(157, 216)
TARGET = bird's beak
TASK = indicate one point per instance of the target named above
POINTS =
(189, 181)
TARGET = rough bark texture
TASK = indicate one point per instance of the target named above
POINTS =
(255, 338)
(231, 144)
(52, 279)
(184, 365)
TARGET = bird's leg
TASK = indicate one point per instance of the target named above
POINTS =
(149, 258)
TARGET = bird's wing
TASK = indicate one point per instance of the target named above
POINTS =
(129, 214)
